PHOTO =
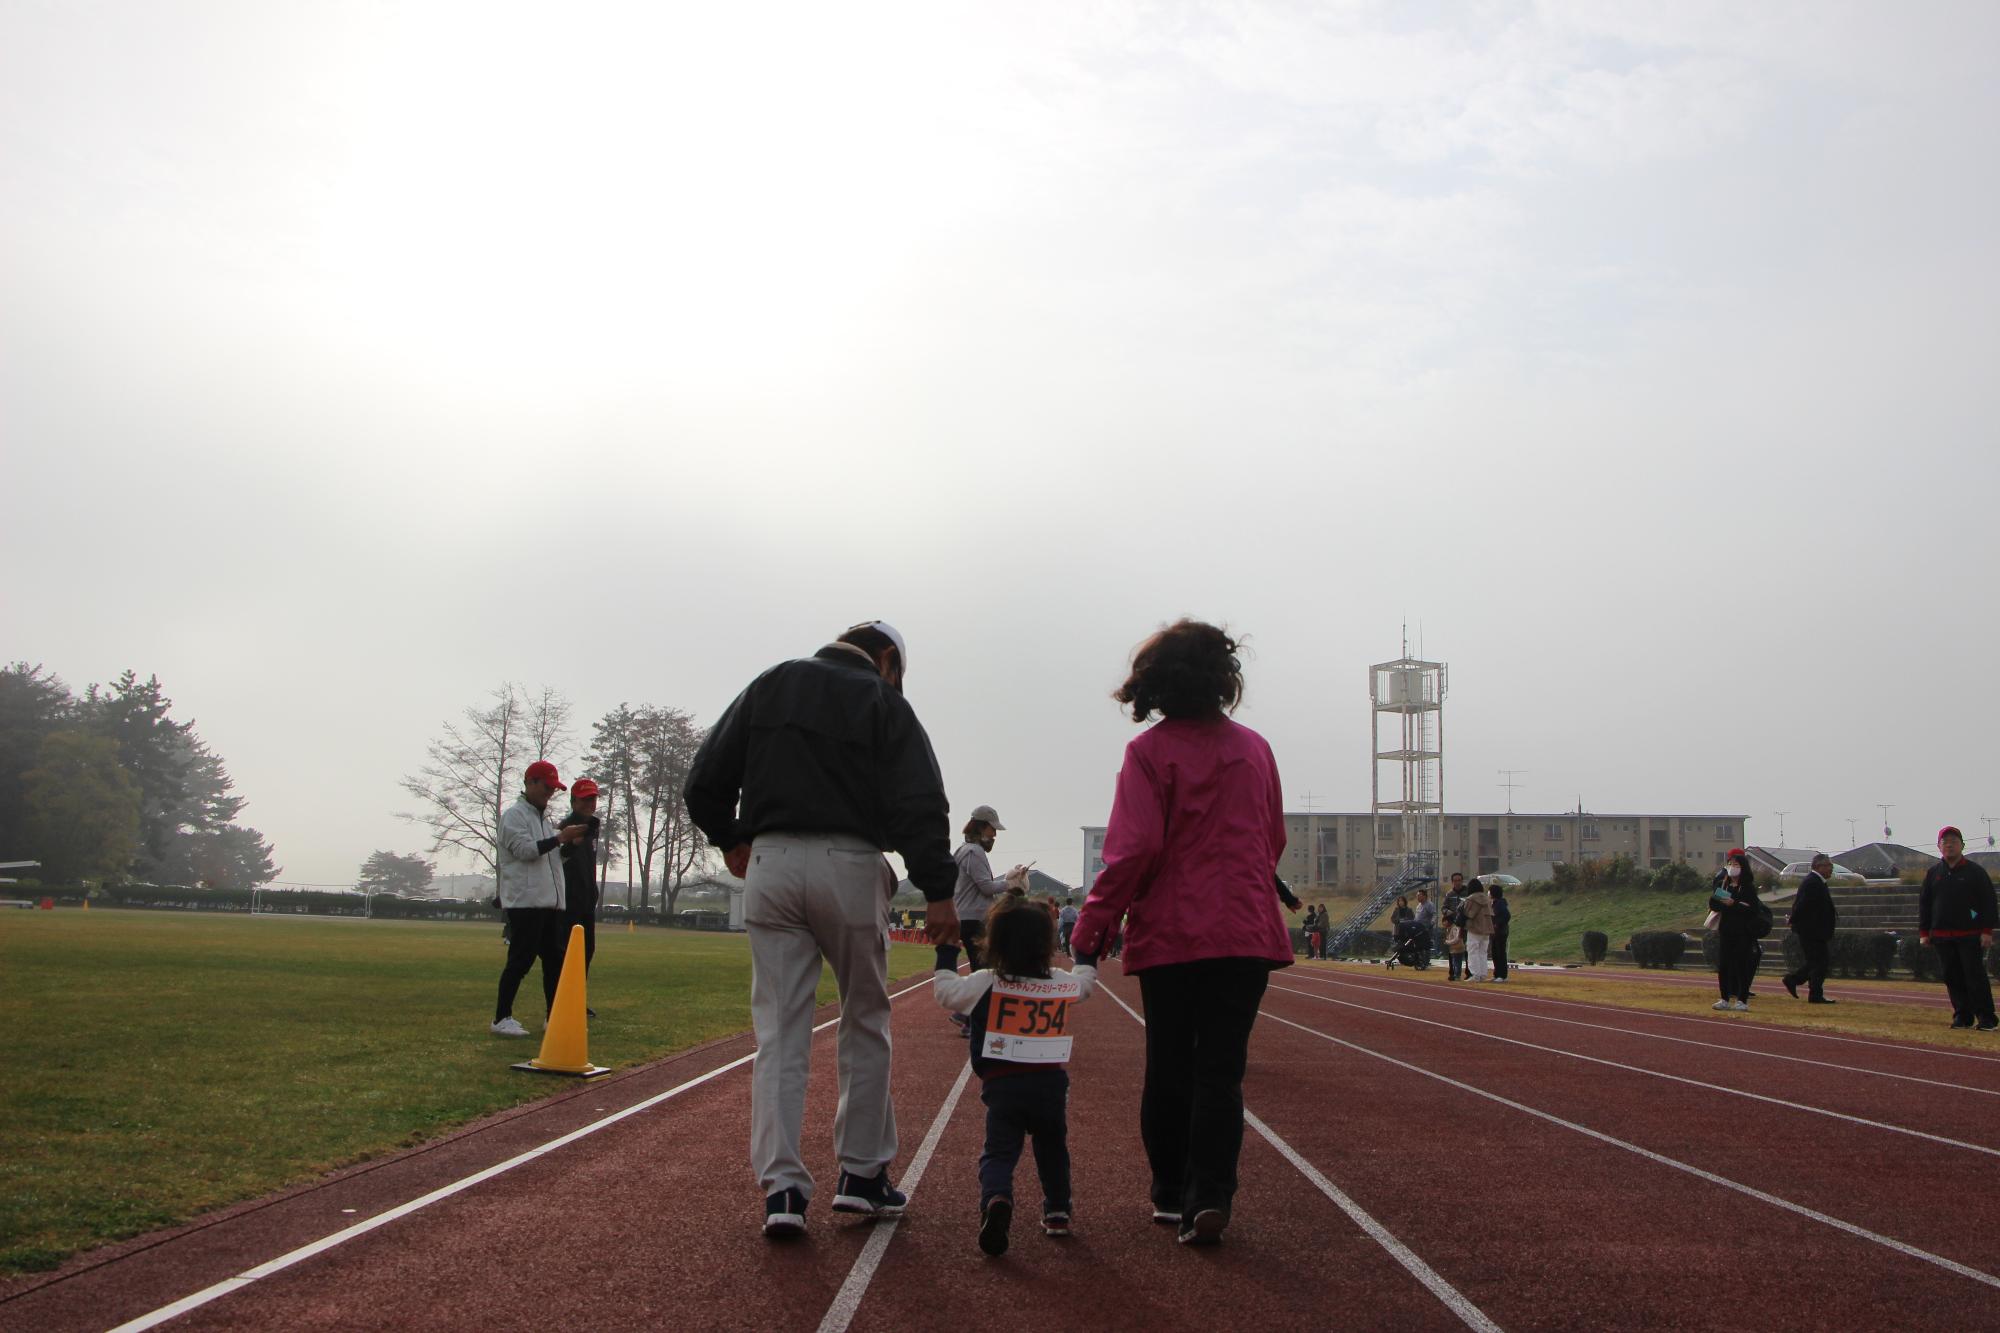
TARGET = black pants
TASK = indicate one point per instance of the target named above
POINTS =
(970, 933)
(1198, 1021)
(1736, 959)
(1813, 973)
(1964, 966)
(1497, 949)
(582, 914)
(532, 932)
(1018, 1106)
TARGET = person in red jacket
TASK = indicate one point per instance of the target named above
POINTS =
(1197, 827)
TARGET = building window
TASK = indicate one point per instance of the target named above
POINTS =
(1385, 828)
(1552, 833)
(1590, 832)
(1722, 833)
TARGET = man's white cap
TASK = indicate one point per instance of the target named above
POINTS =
(889, 632)
(986, 814)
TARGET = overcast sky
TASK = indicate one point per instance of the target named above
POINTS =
(354, 358)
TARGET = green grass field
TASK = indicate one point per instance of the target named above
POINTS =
(163, 1064)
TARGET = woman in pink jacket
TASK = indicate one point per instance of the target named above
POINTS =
(1190, 857)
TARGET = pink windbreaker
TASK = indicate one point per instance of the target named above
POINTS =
(1197, 827)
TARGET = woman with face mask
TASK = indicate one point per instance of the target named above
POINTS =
(1739, 916)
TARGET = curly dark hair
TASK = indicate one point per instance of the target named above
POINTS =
(1190, 669)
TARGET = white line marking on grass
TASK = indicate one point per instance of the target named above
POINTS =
(1711, 1023)
(1901, 1247)
(1650, 1073)
(1661, 1036)
(1453, 1299)
(341, 1237)
(848, 1299)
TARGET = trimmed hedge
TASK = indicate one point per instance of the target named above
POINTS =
(1657, 948)
(1921, 959)
(1865, 953)
(1369, 944)
(1595, 945)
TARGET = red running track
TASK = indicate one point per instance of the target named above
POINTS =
(1420, 1157)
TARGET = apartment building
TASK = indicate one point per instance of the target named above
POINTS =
(1328, 850)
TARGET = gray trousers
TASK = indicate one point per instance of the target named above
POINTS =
(810, 896)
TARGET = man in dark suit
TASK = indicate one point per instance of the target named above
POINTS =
(1812, 921)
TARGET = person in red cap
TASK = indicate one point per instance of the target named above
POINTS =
(1955, 917)
(579, 865)
(531, 891)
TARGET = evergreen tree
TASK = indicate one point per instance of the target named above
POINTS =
(34, 704)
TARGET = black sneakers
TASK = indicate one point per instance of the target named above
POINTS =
(1055, 1221)
(1989, 1026)
(993, 1224)
(1206, 1229)
(785, 1215)
(872, 1196)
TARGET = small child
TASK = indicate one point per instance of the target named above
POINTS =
(1017, 1010)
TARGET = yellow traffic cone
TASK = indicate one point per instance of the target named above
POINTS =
(566, 1045)
(631, 927)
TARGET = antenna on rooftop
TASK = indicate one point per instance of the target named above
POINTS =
(1781, 825)
(1853, 838)
(1887, 832)
(1510, 784)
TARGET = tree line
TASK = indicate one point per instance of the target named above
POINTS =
(638, 756)
(108, 786)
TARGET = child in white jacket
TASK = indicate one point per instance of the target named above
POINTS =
(1017, 1011)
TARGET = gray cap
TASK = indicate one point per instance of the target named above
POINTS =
(986, 814)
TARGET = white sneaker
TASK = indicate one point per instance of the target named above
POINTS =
(509, 1026)
(1719, 1005)
(1739, 1006)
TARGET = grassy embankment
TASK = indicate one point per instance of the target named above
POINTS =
(1549, 923)
(162, 1064)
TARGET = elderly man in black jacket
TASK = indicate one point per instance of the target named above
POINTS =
(818, 768)
(1812, 920)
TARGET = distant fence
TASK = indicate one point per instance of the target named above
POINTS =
(336, 902)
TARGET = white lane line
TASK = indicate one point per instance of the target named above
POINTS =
(341, 1237)
(1659, 1036)
(1649, 1073)
(1599, 1006)
(1453, 1299)
(848, 1299)
(1863, 1233)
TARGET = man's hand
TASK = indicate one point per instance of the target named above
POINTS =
(737, 858)
(941, 921)
(572, 833)
(1923, 939)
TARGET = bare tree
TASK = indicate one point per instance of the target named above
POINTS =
(614, 763)
(669, 739)
(475, 766)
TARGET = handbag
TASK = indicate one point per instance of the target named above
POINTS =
(1714, 919)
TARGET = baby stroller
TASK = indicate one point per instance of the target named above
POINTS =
(1413, 947)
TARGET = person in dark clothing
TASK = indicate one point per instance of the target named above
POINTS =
(579, 864)
(1955, 915)
(1812, 920)
(1452, 922)
(1741, 918)
(1503, 915)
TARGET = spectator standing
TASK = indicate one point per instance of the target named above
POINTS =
(1196, 832)
(579, 864)
(1426, 921)
(1955, 915)
(1452, 918)
(530, 881)
(815, 770)
(977, 888)
(1812, 919)
(1066, 921)
(1741, 918)
(1316, 932)
(1503, 920)
(1477, 909)
(1401, 919)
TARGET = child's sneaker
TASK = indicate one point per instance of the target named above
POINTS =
(993, 1225)
(872, 1195)
(1055, 1221)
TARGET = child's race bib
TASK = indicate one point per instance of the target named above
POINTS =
(1027, 1021)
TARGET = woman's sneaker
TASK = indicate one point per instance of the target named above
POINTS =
(1719, 1005)
(785, 1215)
(993, 1224)
(1739, 1006)
(1055, 1221)
(873, 1195)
